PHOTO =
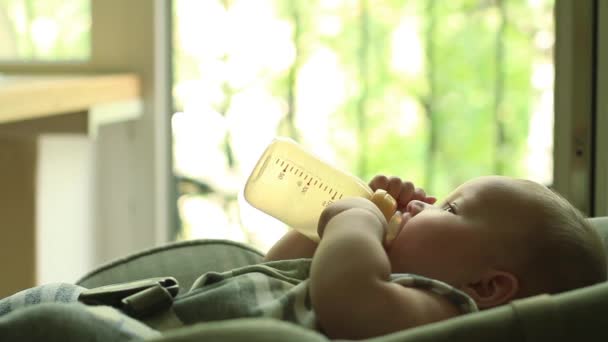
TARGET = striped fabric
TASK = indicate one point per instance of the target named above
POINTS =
(51, 293)
(464, 303)
(277, 290)
(273, 290)
(67, 294)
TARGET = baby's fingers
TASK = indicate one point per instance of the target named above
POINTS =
(379, 182)
(420, 195)
(395, 187)
(406, 195)
(430, 199)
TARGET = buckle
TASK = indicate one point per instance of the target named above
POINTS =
(137, 298)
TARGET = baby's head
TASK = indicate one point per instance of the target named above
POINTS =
(497, 239)
(559, 250)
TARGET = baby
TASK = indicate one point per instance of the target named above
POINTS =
(494, 239)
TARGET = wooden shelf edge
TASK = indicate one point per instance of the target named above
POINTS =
(25, 97)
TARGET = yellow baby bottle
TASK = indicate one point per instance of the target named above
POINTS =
(294, 186)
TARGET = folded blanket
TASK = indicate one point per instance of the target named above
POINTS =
(51, 313)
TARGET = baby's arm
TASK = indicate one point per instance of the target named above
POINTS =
(294, 245)
(350, 289)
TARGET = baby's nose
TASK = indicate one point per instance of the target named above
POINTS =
(415, 207)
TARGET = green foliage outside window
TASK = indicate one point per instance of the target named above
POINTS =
(433, 91)
(49, 30)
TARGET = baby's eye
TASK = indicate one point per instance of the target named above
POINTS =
(449, 207)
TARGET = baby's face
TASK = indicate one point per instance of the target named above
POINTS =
(459, 238)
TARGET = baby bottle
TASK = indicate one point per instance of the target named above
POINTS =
(294, 186)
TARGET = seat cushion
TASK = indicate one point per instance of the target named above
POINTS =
(577, 314)
(185, 261)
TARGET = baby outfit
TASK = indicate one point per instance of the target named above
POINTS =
(278, 289)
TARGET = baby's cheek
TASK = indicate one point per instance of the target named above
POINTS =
(412, 247)
(405, 240)
(400, 254)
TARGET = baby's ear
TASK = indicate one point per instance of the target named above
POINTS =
(494, 288)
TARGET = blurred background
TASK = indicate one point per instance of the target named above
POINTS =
(436, 92)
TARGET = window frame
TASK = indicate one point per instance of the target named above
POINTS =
(575, 156)
(601, 113)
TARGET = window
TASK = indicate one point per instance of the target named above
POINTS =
(434, 91)
(45, 30)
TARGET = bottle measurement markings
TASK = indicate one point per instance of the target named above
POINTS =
(287, 167)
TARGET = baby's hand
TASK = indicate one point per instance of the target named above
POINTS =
(349, 203)
(402, 191)
(381, 204)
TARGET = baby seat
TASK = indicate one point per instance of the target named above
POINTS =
(574, 315)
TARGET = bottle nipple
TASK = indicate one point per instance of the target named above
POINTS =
(387, 205)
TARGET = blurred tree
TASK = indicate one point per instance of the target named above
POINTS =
(45, 29)
(433, 91)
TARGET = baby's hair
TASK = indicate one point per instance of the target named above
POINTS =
(566, 252)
